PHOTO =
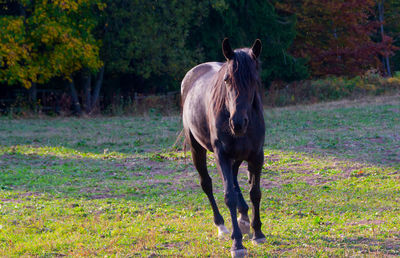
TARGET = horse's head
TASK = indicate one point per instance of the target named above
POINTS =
(241, 81)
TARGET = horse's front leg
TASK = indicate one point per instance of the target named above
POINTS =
(254, 167)
(225, 166)
(243, 208)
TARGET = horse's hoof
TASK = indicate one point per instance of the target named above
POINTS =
(259, 241)
(244, 226)
(222, 231)
(239, 253)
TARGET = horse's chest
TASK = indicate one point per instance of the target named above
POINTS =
(238, 149)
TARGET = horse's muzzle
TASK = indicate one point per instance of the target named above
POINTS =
(238, 126)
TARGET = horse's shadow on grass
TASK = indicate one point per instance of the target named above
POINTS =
(97, 177)
(75, 172)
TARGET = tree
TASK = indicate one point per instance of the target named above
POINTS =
(146, 40)
(389, 13)
(46, 39)
(381, 15)
(336, 35)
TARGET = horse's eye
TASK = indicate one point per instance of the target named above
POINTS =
(226, 78)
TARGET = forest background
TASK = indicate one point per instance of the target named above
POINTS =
(86, 56)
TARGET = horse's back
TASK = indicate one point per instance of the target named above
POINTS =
(204, 71)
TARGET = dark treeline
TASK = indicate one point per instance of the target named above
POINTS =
(91, 51)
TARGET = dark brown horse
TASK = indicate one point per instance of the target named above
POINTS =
(222, 113)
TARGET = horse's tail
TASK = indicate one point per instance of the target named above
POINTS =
(178, 139)
(184, 143)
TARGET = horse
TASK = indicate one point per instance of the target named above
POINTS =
(222, 113)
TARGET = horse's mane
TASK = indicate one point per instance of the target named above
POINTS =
(243, 72)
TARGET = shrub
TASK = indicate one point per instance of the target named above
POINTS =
(140, 105)
(330, 88)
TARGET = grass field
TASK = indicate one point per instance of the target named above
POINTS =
(114, 186)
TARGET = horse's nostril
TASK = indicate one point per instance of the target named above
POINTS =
(246, 121)
(237, 127)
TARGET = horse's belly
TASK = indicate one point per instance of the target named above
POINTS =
(194, 120)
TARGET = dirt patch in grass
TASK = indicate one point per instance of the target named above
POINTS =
(22, 197)
(308, 170)
(106, 196)
(367, 222)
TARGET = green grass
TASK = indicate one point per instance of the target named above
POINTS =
(113, 186)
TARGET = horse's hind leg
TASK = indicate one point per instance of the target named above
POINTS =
(255, 167)
(243, 208)
(200, 162)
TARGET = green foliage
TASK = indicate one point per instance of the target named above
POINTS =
(243, 22)
(143, 43)
(147, 46)
(148, 38)
(47, 39)
(14, 52)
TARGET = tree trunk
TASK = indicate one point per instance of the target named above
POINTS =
(87, 81)
(96, 91)
(75, 100)
(381, 19)
(33, 96)
(33, 93)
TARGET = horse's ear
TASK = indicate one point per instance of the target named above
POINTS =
(227, 50)
(256, 48)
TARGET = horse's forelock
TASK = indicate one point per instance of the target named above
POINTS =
(243, 71)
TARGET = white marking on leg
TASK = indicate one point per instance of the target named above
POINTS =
(239, 253)
(259, 241)
(244, 226)
(222, 231)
